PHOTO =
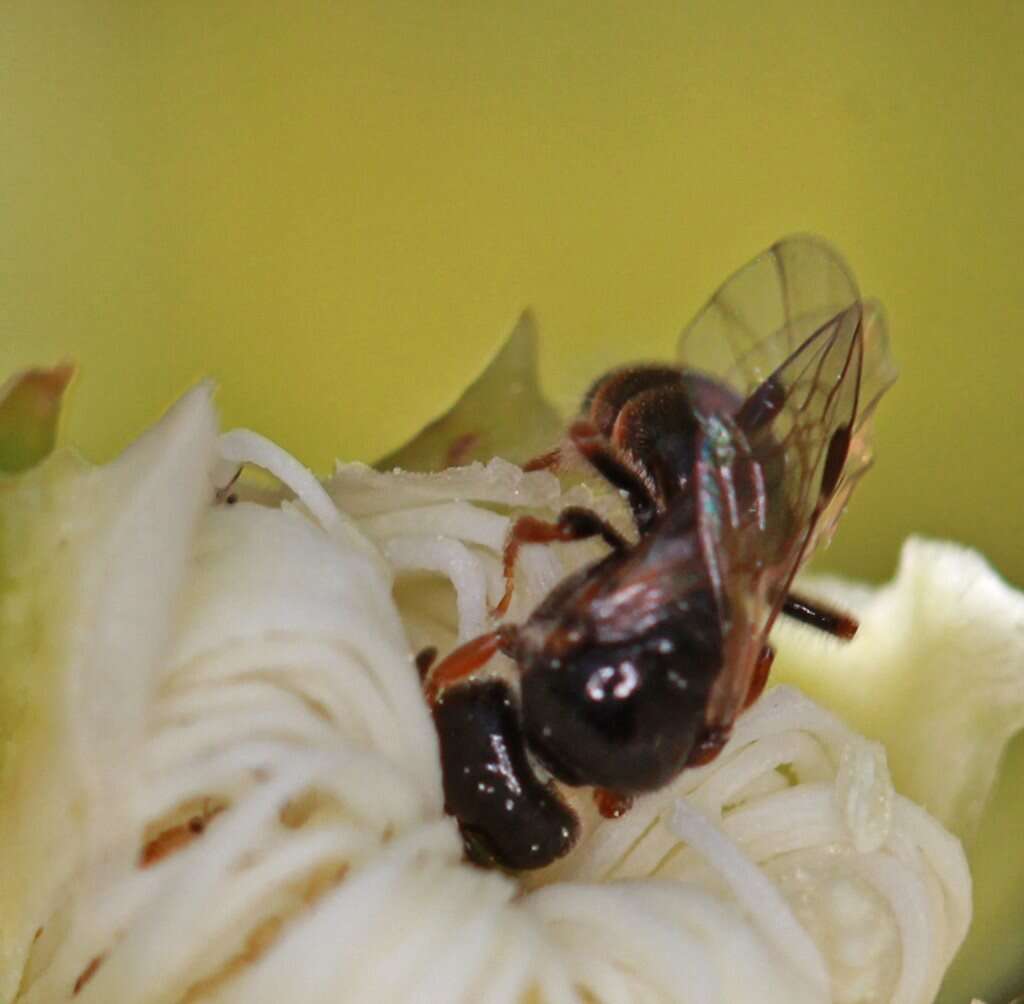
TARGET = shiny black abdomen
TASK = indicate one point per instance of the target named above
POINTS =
(624, 716)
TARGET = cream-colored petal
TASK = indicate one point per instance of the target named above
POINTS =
(285, 770)
(92, 562)
(936, 673)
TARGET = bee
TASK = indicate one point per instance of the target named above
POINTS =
(735, 462)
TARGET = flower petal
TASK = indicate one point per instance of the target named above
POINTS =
(92, 561)
(936, 673)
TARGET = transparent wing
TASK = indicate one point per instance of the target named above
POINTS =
(765, 504)
(767, 310)
(804, 448)
(878, 374)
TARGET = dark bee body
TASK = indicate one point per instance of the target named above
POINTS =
(637, 665)
(617, 683)
(618, 661)
(652, 416)
(507, 815)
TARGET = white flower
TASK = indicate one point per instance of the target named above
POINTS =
(220, 779)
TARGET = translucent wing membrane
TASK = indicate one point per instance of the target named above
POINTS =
(805, 447)
(785, 465)
(811, 386)
(815, 438)
(878, 374)
(766, 310)
(791, 335)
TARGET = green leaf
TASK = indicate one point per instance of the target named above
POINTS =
(30, 404)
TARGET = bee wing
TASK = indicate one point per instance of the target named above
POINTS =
(729, 557)
(767, 310)
(878, 374)
(765, 504)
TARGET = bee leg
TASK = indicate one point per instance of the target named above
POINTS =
(716, 736)
(573, 523)
(594, 446)
(424, 660)
(545, 462)
(466, 660)
(605, 459)
(760, 677)
(709, 745)
(820, 616)
(611, 804)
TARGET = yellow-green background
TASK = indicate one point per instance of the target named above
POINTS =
(338, 209)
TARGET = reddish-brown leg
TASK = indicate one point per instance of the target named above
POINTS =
(612, 805)
(760, 677)
(424, 660)
(573, 523)
(596, 449)
(545, 462)
(607, 461)
(709, 746)
(466, 660)
(711, 743)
